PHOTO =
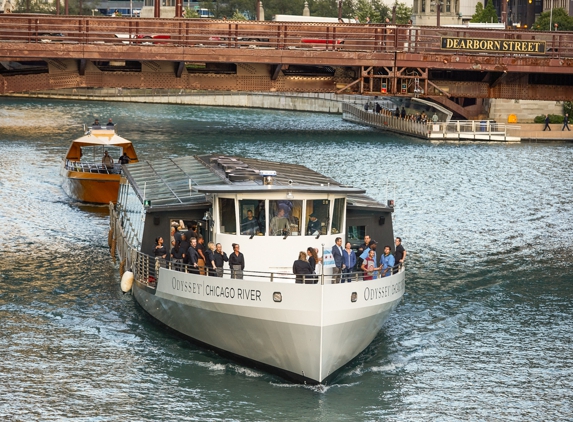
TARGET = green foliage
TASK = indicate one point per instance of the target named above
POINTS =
(479, 12)
(238, 16)
(560, 17)
(191, 14)
(403, 13)
(487, 15)
(553, 118)
(49, 7)
(568, 107)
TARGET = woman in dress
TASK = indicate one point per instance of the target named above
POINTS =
(313, 260)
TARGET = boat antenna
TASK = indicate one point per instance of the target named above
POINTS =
(144, 188)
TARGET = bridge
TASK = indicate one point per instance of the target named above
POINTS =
(453, 66)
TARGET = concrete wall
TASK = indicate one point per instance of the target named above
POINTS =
(526, 110)
(320, 103)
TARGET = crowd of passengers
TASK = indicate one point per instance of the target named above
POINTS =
(188, 249)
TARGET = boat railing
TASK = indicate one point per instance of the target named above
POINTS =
(146, 267)
(87, 167)
(146, 270)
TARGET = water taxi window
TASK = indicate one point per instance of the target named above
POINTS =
(338, 216)
(227, 215)
(285, 218)
(253, 218)
(355, 234)
(318, 216)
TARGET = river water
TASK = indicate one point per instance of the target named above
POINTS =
(483, 332)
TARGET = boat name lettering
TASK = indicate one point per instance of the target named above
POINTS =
(229, 293)
(186, 286)
(382, 292)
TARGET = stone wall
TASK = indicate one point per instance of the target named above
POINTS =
(525, 110)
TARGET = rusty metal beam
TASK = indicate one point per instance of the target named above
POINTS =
(179, 68)
(275, 71)
(82, 67)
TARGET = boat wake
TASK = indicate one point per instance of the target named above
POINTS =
(318, 388)
(230, 368)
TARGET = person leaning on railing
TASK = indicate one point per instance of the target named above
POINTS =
(220, 258)
(302, 269)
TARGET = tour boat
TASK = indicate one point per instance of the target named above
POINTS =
(303, 331)
(89, 176)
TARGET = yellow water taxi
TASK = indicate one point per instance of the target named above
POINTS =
(92, 168)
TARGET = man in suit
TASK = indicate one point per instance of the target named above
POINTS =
(338, 260)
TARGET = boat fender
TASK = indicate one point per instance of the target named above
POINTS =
(126, 281)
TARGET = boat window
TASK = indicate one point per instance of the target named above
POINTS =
(355, 234)
(338, 216)
(318, 216)
(252, 215)
(285, 217)
(227, 215)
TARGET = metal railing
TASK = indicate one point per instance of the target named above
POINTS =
(87, 167)
(146, 267)
(269, 35)
(385, 121)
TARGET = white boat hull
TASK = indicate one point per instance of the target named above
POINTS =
(315, 330)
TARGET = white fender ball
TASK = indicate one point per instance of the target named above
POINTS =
(126, 281)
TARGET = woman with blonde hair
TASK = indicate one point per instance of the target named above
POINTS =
(210, 266)
(301, 268)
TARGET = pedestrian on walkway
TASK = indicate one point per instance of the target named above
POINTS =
(546, 123)
(566, 123)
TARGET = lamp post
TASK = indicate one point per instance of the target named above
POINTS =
(339, 9)
(551, 15)
(438, 10)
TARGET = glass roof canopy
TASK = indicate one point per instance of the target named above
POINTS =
(172, 181)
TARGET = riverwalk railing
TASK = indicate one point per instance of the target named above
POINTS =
(356, 114)
(146, 267)
(479, 130)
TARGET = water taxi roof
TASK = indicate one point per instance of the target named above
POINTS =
(187, 181)
(103, 137)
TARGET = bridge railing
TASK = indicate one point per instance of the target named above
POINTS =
(195, 33)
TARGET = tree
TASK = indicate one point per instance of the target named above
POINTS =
(238, 16)
(476, 17)
(560, 18)
(487, 15)
(191, 14)
(403, 13)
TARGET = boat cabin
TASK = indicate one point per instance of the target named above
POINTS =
(87, 153)
(272, 210)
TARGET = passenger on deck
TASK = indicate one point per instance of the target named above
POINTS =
(107, 160)
(110, 124)
(184, 244)
(237, 262)
(190, 232)
(193, 256)
(249, 225)
(399, 254)
(369, 266)
(302, 269)
(338, 262)
(314, 261)
(201, 251)
(220, 258)
(313, 226)
(123, 159)
(159, 250)
(386, 262)
(279, 224)
(174, 234)
(96, 125)
(177, 255)
(371, 246)
(210, 260)
(349, 259)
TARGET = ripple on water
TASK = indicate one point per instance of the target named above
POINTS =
(483, 332)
